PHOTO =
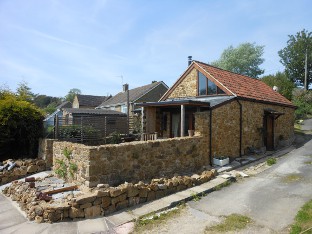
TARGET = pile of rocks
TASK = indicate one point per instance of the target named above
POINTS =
(98, 201)
(11, 170)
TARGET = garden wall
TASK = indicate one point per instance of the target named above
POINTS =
(135, 161)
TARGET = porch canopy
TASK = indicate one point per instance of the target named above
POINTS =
(178, 113)
(273, 113)
(183, 106)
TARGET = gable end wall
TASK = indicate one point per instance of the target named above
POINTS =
(188, 86)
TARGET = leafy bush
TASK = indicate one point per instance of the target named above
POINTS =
(114, 138)
(303, 100)
(271, 161)
(21, 126)
(64, 168)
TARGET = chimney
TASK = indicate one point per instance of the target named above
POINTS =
(125, 87)
(189, 60)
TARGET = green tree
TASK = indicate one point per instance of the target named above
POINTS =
(24, 93)
(293, 56)
(71, 94)
(303, 100)
(21, 125)
(50, 108)
(43, 101)
(285, 86)
(5, 92)
(244, 59)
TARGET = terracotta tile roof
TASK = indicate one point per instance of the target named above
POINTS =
(134, 94)
(244, 86)
(90, 100)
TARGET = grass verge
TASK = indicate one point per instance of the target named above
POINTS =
(303, 220)
(152, 221)
(233, 222)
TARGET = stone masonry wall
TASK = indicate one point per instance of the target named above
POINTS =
(253, 124)
(226, 127)
(22, 168)
(150, 126)
(225, 130)
(135, 161)
(188, 87)
(102, 200)
(45, 151)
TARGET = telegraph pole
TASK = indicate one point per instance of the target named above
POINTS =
(306, 71)
(126, 89)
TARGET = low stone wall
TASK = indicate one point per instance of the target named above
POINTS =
(134, 161)
(23, 168)
(100, 201)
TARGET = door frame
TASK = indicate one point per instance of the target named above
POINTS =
(269, 140)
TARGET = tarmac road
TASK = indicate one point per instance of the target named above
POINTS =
(271, 199)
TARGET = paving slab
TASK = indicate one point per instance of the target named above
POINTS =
(65, 227)
(120, 218)
(87, 226)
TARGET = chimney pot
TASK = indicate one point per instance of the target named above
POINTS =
(189, 60)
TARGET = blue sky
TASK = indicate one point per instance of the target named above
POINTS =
(56, 45)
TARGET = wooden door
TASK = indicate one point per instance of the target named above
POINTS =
(269, 132)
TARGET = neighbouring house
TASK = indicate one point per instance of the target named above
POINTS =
(88, 101)
(241, 113)
(49, 120)
(147, 93)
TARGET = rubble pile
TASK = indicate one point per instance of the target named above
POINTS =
(12, 170)
(51, 200)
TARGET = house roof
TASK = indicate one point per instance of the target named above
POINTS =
(90, 100)
(237, 85)
(134, 94)
(93, 111)
(66, 104)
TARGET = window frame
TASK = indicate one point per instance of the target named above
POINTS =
(207, 87)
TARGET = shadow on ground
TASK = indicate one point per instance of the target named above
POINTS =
(302, 137)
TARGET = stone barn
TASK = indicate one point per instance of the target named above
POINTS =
(242, 113)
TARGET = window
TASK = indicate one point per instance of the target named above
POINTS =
(202, 84)
(212, 88)
(124, 109)
(207, 87)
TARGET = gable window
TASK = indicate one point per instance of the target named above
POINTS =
(202, 84)
(206, 86)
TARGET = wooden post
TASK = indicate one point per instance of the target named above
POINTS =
(182, 120)
(105, 131)
(56, 126)
(81, 130)
(142, 120)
